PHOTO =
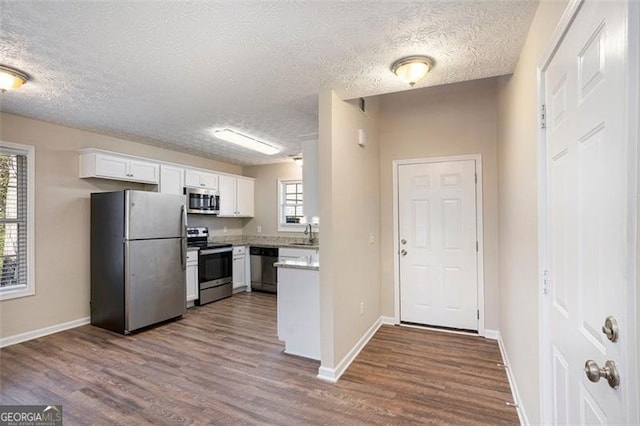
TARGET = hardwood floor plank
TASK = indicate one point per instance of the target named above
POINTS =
(222, 364)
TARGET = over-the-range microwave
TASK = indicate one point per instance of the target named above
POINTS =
(202, 201)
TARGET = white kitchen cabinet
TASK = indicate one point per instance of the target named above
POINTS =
(239, 269)
(192, 276)
(299, 311)
(199, 179)
(244, 197)
(236, 197)
(118, 167)
(171, 180)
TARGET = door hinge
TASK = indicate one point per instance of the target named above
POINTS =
(545, 282)
(476, 178)
(478, 311)
(477, 247)
(543, 116)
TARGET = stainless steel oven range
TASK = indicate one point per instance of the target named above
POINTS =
(215, 263)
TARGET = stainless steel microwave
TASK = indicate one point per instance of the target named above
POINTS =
(202, 201)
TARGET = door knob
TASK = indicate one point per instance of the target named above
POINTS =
(403, 241)
(403, 252)
(610, 328)
(609, 372)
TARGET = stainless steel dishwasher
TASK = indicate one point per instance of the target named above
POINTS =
(264, 276)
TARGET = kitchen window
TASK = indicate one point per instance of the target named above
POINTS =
(16, 220)
(291, 206)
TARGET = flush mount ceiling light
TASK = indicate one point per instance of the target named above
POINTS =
(11, 78)
(245, 141)
(413, 68)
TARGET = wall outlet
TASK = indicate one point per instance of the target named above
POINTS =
(361, 308)
(259, 229)
(372, 238)
(224, 230)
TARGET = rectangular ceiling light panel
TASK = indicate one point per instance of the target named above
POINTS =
(245, 141)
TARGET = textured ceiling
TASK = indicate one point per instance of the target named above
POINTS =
(166, 73)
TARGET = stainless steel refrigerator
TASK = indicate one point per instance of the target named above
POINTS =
(138, 259)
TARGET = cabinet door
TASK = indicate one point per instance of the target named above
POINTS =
(171, 180)
(244, 197)
(209, 180)
(227, 195)
(192, 282)
(143, 171)
(238, 271)
(111, 167)
(192, 178)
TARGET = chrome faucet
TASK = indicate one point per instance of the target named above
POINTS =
(308, 230)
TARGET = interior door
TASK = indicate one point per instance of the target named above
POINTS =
(587, 213)
(438, 252)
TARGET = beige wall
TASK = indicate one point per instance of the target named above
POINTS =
(266, 196)
(449, 120)
(349, 188)
(518, 192)
(62, 218)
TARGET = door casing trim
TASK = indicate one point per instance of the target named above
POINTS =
(632, 109)
(479, 230)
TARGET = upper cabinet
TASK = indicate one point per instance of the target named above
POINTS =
(236, 192)
(171, 180)
(199, 179)
(108, 166)
(236, 196)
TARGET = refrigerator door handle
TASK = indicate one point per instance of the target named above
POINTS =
(183, 239)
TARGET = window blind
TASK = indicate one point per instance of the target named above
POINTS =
(13, 218)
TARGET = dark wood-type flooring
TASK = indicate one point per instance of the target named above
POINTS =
(223, 364)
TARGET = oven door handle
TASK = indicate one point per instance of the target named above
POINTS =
(215, 251)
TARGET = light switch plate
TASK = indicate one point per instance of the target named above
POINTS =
(372, 238)
(259, 229)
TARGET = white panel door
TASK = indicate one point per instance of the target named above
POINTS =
(587, 213)
(438, 258)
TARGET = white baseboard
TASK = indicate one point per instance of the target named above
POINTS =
(333, 374)
(30, 335)
(492, 334)
(388, 320)
(522, 414)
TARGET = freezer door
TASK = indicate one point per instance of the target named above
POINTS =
(154, 282)
(154, 215)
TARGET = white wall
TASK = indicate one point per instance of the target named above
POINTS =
(266, 196)
(518, 207)
(62, 218)
(454, 119)
(349, 189)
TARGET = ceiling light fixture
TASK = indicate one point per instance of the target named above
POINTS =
(11, 78)
(245, 141)
(413, 68)
(298, 160)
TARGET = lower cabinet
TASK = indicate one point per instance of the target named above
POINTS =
(240, 266)
(192, 276)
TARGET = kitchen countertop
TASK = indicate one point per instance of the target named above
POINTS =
(311, 263)
(265, 242)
